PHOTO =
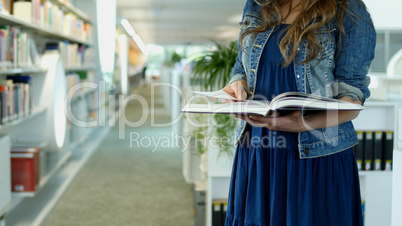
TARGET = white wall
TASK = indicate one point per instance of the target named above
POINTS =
(386, 14)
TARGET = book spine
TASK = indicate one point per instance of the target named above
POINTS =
(388, 150)
(368, 151)
(359, 151)
(21, 100)
(377, 150)
(1, 48)
(11, 102)
(4, 104)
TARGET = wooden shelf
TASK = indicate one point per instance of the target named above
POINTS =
(16, 71)
(68, 7)
(35, 112)
(7, 19)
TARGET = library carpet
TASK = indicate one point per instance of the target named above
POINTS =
(123, 185)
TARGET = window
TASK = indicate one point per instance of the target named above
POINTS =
(388, 43)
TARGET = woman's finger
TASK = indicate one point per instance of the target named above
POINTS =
(250, 119)
(258, 118)
(240, 91)
(229, 90)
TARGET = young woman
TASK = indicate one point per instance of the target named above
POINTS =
(299, 169)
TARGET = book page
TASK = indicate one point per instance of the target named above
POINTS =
(299, 96)
(248, 108)
(220, 94)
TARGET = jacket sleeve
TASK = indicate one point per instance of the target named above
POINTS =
(238, 72)
(355, 54)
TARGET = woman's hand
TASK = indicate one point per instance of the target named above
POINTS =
(293, 122)
(237, 90)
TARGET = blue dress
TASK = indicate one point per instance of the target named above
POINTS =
(271, 185)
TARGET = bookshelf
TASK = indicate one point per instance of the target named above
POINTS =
(396, 188)
(67, 6)
(48, 117)
(397, 167)
(7, 19)
(219, 173)
(379, 189)
(17, 71)
(46, 176)
(36, 111)
(5, 193)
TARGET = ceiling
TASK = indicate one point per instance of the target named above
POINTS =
(171, 22)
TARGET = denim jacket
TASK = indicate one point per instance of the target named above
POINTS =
(335, 72)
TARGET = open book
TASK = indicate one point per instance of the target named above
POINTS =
(283, 103)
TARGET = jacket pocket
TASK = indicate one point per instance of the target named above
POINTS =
(326, 40)
(249, 22)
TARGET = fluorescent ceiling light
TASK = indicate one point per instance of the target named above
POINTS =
(140, 44)
(126, 24)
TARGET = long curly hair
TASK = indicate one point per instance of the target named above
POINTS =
(313, 15)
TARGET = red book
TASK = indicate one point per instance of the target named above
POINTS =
(25, 169)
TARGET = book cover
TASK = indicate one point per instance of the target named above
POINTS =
(36, 160)
(23, 172)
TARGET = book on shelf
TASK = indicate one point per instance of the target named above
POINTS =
(15, 49)
(377, 150)
(24, 10)
(388, 146)
(4, 6)
(8, 87)
(25, 169)
(283, 103)
(374, 150)
(75, 55)
(358, 150)
(368, 151)
(219, 209)
(4, 92)
(25, 97)
(50, 16)
(16, 97)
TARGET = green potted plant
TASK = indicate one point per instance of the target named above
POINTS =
(212, 70)
(172, 58)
